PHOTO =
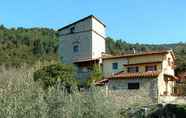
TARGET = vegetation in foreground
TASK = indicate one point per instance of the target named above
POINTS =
(22, 97)
(50, 76)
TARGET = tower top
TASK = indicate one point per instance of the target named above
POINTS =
(90, 16)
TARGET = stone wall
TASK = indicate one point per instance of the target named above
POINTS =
(88, 35)
(173, 99)
(146, 94)
(85, 47)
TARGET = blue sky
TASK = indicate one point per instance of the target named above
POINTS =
(142, 21)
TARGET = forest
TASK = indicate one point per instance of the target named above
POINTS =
(29, 45)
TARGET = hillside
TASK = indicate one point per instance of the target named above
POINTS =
(19, 46)
(22, 45)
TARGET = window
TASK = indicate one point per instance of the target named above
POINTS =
(72, 30)
(169, 61)
(114, 66)
(76, 48)
(133, 85)
(151, 68)
(133, 69)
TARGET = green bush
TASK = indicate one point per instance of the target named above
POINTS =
(96, 74)
(54, 74)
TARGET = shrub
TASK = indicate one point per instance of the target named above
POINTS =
(96, 74)
(21, 97)
(57, 73)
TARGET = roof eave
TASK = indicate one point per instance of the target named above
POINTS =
(90, 16)
(120, 78)
(135, 55)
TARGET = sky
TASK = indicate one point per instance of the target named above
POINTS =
(135, 21)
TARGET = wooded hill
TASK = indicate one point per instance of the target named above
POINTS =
(29, 45)
(21, 45)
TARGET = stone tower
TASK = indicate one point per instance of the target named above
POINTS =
(82, 41)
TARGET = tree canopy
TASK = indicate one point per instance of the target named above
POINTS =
(23, 45)
(54, 74)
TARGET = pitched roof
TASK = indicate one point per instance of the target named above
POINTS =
(182, 75)
(172, 77)
(85, 60)
(101, 82)
(125, 75)
(90, 16)
(138, 54)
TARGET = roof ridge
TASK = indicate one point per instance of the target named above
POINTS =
(87, 17)
(135, 74)
(138, 54)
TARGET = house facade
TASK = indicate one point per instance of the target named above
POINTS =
(113, 65)
(150, 72)
(83, 44)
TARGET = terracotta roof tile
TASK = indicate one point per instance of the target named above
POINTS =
(172, 77)
(101, 82)
(137, 54)
(124, 75)
(84, 60)
(182, 76)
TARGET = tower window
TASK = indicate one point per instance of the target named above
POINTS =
(76, 48)
(72, 30)
(114, 66)
(169, 61)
